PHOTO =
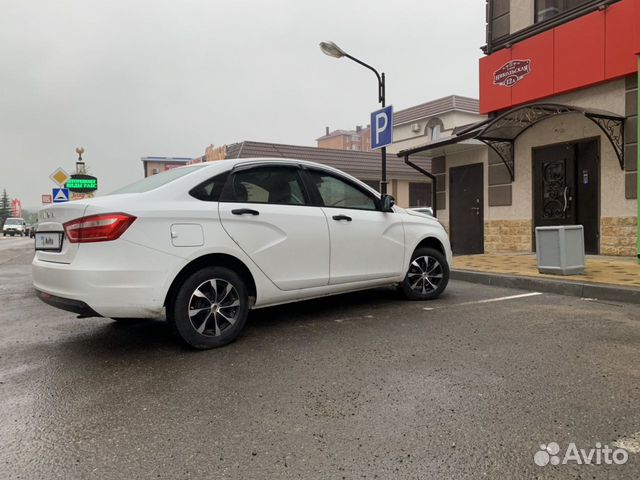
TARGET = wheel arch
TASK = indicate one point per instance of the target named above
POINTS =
(431, 242)
(218, 260)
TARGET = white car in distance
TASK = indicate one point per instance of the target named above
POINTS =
(206, 243)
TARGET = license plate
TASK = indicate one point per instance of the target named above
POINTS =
(51, 241)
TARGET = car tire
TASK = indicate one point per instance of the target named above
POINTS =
(210, 308)
(427, 276)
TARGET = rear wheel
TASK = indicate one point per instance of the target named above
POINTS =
(210, 308)
(427, 276)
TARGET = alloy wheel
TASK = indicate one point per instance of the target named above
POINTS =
(214, 307)
(425, 274)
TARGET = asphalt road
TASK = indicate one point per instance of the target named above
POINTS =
(357, 386)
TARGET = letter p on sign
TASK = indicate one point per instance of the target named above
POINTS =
(382, 127)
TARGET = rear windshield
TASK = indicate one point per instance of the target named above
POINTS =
(155, 181)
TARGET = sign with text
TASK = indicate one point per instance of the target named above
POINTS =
(46, 198)
(382, 127)
(82, 183)
(512, 72)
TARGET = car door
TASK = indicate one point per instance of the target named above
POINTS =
(265, 209)
(366, 243)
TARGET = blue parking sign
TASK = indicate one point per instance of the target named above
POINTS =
(382, 127)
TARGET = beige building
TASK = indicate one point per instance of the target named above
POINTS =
(433, 121)
(559, 144)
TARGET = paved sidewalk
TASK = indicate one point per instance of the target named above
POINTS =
(614, 271)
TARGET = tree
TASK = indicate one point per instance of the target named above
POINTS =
(5, 206)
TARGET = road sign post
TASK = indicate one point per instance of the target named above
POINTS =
(381, 136)
(382, 127)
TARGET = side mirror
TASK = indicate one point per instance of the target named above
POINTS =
(386, 202)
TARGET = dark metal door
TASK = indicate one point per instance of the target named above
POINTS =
(587, 193)
(566, 185)
(554, 185)
(466, 199)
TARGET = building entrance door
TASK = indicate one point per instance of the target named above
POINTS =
(466, 200)
(566, 185)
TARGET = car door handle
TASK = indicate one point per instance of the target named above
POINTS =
(342, 217)
(245, 211)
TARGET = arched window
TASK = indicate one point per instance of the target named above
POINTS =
(434, 128)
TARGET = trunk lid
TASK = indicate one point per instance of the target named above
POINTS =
(51, 219)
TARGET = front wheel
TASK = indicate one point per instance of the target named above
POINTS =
(427, 276)
(210, 308)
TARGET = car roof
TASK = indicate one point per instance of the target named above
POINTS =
(228, 164)
(233, 162)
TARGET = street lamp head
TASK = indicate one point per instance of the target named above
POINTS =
(331, 49)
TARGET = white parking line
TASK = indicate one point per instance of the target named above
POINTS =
(489, 300)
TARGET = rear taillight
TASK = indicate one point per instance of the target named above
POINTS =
(98, 228)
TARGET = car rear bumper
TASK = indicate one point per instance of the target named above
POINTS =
(125, 281)
(68, 304)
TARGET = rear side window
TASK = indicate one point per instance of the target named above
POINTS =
(155, 181)
(278, 185)
(210, 190)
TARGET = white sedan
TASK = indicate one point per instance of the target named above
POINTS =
(206, 243)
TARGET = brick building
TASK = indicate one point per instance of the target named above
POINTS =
(358, 139)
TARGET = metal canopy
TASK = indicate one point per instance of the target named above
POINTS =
(501, 132)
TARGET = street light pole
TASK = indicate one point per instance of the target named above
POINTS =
(333, 50)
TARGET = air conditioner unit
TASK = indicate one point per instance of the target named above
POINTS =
(415, 127)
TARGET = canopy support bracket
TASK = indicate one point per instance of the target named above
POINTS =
(504, 149)
(613, 128)
(434, 196)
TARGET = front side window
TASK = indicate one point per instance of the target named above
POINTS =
(336, 192)
(278, 185)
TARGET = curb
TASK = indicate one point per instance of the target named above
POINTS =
(561, 287)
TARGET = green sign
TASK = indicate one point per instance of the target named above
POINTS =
(82, 183)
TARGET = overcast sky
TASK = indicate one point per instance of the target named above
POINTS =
(126, 79)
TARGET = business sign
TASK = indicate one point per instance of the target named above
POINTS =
(511, 72)
(59, 177)
(47, 198)
(60, 195)
(16, 208)
(382, 127)
(82, 183)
